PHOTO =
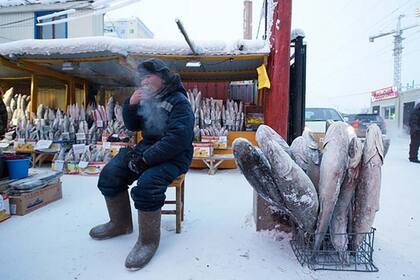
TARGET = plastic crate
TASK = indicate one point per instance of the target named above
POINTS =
(328, 258)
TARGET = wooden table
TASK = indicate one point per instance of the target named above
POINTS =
(214, 161)
(38, 157)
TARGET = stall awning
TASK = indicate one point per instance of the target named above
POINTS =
(112, 62)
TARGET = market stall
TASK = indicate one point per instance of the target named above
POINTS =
(58, 76)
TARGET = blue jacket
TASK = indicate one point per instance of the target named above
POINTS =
(167, 126)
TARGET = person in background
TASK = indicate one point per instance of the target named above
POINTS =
(415, 132)
(161, 111)
(3, 119)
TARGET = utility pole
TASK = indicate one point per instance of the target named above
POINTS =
(398, 47)
(247, 20)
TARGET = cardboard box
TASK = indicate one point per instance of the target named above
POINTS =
(27, 202)
(4, 207)
(203, 149)
(219, 142)
(93, 169)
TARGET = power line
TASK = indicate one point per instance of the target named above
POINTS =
(390, 14)
(390, 22)
(8, 39)
(349, 39)
(398, 48)
(17, 21)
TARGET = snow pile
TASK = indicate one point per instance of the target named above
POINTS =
(129, 46)
(297, 33)
(218, 238)
(10, 3)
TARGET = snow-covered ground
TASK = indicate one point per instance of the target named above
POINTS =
(218, 239)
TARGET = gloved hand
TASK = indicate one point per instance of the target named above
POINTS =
(136, 163)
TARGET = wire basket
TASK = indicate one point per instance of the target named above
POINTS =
(328, 258)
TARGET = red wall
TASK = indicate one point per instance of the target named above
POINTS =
(217, 90)
(277, 98)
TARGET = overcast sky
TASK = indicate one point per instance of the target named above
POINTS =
(342, 66)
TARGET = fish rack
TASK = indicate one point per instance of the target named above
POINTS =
(328, 258)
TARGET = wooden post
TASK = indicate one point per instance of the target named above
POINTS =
(70, 93)
(277, 98)
(85, 93)
(34, 95)
(67, 96)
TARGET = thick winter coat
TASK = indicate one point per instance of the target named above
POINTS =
(415, 119)
(166, 122)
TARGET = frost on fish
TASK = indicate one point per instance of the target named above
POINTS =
(257, 171)
(368, 188)
(339, 221)
(332, 171)
(265, 132)
(305, 152)
(299, 193)
(298, 153)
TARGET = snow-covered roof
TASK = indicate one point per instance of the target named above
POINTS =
(101, 45)
(112, 61)
(11, 3)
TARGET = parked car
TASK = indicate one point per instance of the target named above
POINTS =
(318, 119)
(360, 123)
(322, 114)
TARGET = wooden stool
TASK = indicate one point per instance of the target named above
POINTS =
(178, 183)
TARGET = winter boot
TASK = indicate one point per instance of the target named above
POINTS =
(119, 211)
(148, 241)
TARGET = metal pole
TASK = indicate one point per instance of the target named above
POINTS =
(265, 22)
(297, 91)
(184, 33)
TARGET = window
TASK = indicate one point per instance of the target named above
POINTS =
(321, 114)
(375, 110)
(54, 31)
(131, 31)
(389, 112)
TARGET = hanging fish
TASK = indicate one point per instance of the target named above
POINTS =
(332, 172)
(339, 221)
(110, 106)
(369, 185)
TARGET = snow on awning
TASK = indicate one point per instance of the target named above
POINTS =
(107, 45)
(11, 3)
(112, 61)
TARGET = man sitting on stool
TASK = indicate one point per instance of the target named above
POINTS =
(161, 110)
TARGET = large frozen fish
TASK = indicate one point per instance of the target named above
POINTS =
(110, 106)
(257, 171)
(118, 112)
(265, 132)
(299, 193)
(332, 172)
(369, 186)
(304, 151)
(339, 221)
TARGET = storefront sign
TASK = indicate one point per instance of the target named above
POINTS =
(385, 93)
